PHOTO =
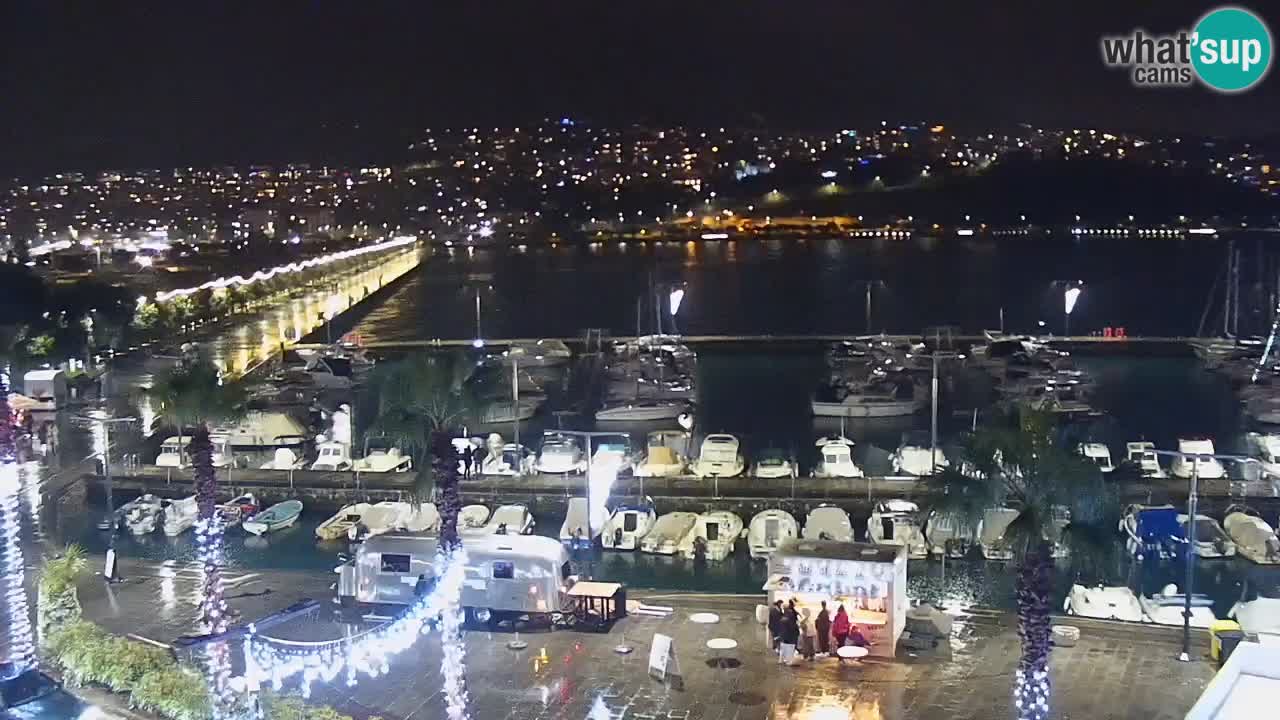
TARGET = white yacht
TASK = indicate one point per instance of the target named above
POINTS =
(665, 536)
(1266, 448)
(263, 429)
(916, 457)
(472, 518)
(506, 520)
(772, 464)
(858, 400)
(835, 459)
(1253, 537)
(175, 452)
(719, 457)
(897, 522)
(947, 538)
(643, 409)
(716, 532)
(1143, 457)
(178, 516)
(1166, 607)
(768, 530)
(627, 527)
(1097, 454)
(666, 454)
(1207, 468)
(1104, 603)
(1211, 540)
(827, 522)
(991, 533)
(512, 460)
(560, 453)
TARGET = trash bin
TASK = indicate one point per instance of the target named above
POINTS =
(1229, 639)
(1215, 643)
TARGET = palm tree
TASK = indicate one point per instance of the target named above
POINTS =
(1019, 465)
(194, 395)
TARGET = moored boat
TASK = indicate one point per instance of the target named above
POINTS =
(665, 536)
(1104, 603)
(626, 527)
(768, 530)
(178, 516)
(713, 534)
(275, 518)
(827, 522)
(897, 522)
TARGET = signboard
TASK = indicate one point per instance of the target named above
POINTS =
(663, 664)
(109, 572)
(836, 577)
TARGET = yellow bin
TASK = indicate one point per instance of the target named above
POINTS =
(1217, 626)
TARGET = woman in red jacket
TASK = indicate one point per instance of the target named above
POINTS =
(840, 628)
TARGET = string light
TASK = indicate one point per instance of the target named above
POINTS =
(17, 618)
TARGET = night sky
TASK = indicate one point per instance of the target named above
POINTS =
(135, 84)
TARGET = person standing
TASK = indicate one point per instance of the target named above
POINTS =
(808, 637)
(790, 634)
(822, 626)
(840, 628)
(775, 623)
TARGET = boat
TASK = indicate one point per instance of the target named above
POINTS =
(897, 522)
(1260, 615)
(835, 458)
(1097, 454)
(382, 458)
(236, 510)
(1211, 540)
(1206, 468)
(277, 517)
(773, 464)
(142, 515)
(360, 520)
(174, 452)
(577, 530)
(719, 457)
(472, 517)
(715, 532)
(991, 533)
(643, 409)
(1255, 540)
(325, 372)
(1266, 448)
(1153, 531)
(506, 412)
(560, 453)
(505, 520)
(1142, 456)
(612, 451)
(947, 538)
(666, 454)
(332, 457)
(915, 456)
(420, 518)
(626, 527)
(510, 461)
(1104, 603)
(285, 459)
(868, 400)
(768, 530)
(178, 516)
(263, 429)
(827, 522)
(665, 535)
(1167, 606)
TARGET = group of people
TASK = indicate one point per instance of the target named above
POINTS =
(791, 629)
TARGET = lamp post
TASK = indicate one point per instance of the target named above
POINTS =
(514, 353)
(1193, 502)
(101, 424)
(1069, 298)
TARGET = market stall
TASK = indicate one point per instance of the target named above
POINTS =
(870, 581)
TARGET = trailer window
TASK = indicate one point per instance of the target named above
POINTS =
(395, 563)
(503, 570)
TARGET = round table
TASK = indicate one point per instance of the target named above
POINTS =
(720, 645)
(704, 618)
(852, 652)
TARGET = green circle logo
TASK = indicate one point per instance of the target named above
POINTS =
(1231, 49)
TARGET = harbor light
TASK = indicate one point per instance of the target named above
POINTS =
(1069, 299)
(676, 297)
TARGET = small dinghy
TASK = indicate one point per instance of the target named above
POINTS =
(235, 511)
(828, 523)
(472, 517)
(337, 526)
(667, 532)
(897, 522)
(277, 517)
(1254, 538)
(768, 530)
(178, 516)
(627, 527)
(715, 533)
(1165, 608)
(1104, 603)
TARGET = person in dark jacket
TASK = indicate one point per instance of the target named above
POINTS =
(775, 624)
(790, 634)
(822, 626)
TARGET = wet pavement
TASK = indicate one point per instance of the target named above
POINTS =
(1114, 672)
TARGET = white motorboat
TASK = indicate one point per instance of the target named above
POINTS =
(1211, 540)
(719, 457)
(772, 464)
(947, 538)
(560, 453)
(540, 353)
(332, 457)
(1104, 603)
(383, 460)
(1097, 454)
(1142, 456)
(277, 517)
(178, 516)
(142, 515)
(715, 532)
(1207, 468)
(175, 452)
(627, 527)
(472, 518)
(506, 412)
(1266, 448)
(835, 459)
(419, 518)
(236, 510)
(916, 457)
(827, 522)
(897, 522)
(665, 535)
(666, 454)
(868, 401)
(323, 372)
(577, 530)
(1166, 608)
(991, 533)
(263, 429)
(512, 460)
(285, 459)
(768, 530)
(1254, 538)
(506, 520)
(642, 409)
(1260, 615)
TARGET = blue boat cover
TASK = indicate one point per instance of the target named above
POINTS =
(1158, 525)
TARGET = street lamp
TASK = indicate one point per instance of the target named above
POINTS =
(101, 424)
(1069, 298)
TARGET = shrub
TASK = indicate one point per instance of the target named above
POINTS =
(173, 693)
(58, 602)
(131, 661)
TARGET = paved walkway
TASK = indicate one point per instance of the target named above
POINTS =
(1114, 672)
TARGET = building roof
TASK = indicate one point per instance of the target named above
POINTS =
(836, 550)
